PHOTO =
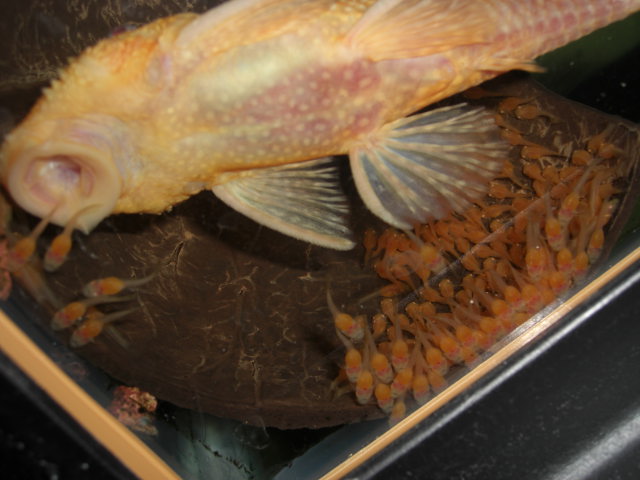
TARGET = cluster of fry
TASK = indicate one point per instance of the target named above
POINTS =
(84, 316)
(459, 284)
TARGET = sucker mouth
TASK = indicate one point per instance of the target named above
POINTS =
(66, 163)
(69, 177)
(53, 178)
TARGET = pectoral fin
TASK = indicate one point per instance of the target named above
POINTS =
(227, 13)
(302, 200)
(421, 167)
(243, 22)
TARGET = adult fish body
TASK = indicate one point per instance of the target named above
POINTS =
(252, 99)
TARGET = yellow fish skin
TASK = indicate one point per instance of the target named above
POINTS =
(252, 98)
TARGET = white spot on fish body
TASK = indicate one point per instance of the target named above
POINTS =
(363, 122)
(320, 127)
(365, 82)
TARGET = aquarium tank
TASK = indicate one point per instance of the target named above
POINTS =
(198, 343)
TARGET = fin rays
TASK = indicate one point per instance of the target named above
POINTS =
(301, 200)
(411, 28)
(421, 167)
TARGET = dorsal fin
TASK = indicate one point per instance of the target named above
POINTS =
(393, 29)
(242, 22)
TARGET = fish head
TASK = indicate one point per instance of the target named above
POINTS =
(75, 147)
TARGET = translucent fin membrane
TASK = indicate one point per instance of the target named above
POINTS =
(301, 200)
(424, 166)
